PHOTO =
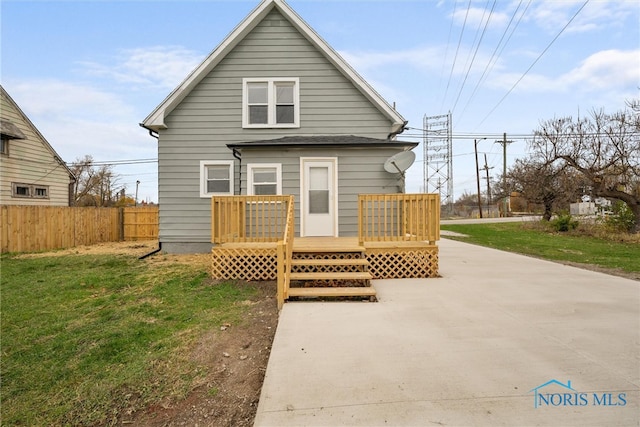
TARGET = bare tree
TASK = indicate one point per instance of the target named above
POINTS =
(548, 184)
(603, 148)
(95, 184)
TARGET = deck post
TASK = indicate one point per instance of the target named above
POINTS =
(281, 273)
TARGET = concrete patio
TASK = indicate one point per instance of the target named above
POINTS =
(470, 348)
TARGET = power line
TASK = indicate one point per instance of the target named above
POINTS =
(492, 61)
(446, 52)
(472, 135)
(484, 30)
(114, 162)
(535, 62)
(453, 65)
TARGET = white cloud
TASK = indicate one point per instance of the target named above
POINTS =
(58, 99)
(164, 66)
(79, 119)
(552, 15)
(475, 16)
(427, 58)
(608, 70)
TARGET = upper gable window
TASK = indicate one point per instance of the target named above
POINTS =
(4, 145)
(271, 103)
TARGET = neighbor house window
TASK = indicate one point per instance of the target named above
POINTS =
(271, 103)
(40, 192)
(4, 145)
(216, 178)
(30, 191)
(264, 179)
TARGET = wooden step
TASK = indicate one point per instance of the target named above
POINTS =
(328, 248)
(329, 262)
(333, 292)
(338, 275)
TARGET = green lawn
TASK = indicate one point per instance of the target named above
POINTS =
(536, 241)
(85, 337)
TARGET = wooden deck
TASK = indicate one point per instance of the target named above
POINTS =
(325, 261)
(322, 244)
(254, 240)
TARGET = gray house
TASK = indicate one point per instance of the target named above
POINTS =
(272, 110)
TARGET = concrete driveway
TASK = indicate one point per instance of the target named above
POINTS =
(500, 339)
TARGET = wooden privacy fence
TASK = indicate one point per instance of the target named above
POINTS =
(140, 223)
(38, 228)
(399, 217)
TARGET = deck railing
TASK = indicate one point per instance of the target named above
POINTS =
(398, 217)
(284, 255)
(248, 218)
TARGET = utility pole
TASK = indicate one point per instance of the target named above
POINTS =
(475, 146)
(504, 143)
(486, 169)
(136, 200)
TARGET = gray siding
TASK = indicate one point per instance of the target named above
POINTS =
(360, 171)
(210, 117)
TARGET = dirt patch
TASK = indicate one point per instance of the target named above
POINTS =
(611, 271)
(137, 249)
(233, 357)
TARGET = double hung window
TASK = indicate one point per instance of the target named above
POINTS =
(271, 103)
(264, 179)
(216, 178)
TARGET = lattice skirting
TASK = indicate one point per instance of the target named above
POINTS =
(385, 263)
(403, 263)
(244, 263)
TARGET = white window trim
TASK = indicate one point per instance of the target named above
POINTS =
(252, 166)
(203, 177)
(271, 97)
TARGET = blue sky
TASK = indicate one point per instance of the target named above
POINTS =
(87, 72)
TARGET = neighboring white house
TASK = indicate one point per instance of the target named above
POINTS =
(31, 172)
(272, 110)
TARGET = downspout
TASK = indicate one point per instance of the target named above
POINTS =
(401, 129)
(151, 131)
(155, 251)
(238, 156)
(157, 137)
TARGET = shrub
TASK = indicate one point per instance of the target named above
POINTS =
(564, 222)
(621, 218)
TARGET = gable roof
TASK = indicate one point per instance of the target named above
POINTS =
(155, 120)
(7, 126)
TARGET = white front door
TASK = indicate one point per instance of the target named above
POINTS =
(319, 196)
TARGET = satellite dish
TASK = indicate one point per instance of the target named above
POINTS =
(400, 162)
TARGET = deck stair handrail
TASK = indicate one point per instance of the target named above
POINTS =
(285, 254)
(242, 219)
(398, 217)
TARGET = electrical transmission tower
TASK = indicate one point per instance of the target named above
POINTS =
(438, 158)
